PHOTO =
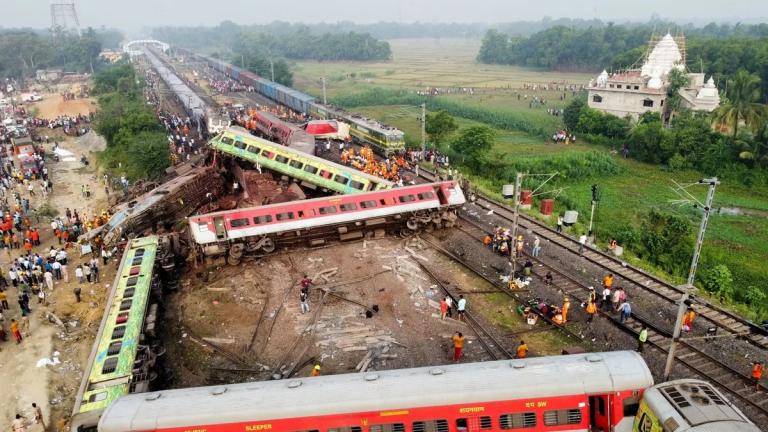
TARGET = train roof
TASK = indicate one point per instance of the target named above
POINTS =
(334, 199)
(191, 100)
(394, 389)
(689, 405)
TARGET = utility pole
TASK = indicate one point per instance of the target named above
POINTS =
(512, 246)
(242, 60)
(423, 127)
(325, 99)
(712, 183)
(272, 68)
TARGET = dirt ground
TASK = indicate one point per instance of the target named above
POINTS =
(54, 105)
(53, 387)
(245, 322)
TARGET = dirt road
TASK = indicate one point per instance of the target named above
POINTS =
(52, 387)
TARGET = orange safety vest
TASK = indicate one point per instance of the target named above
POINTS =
(757, 370)
(522, 351)
(592, 308)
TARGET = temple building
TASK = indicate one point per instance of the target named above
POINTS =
(635, 91)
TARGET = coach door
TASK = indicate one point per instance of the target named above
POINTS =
(221, 230)
(599, 415)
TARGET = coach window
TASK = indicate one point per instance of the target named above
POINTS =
(426, 196)
(340, 179)
(125, 305)
(267, 154)
(346, 429)
(227, 140)
(406, 198)
(240, 144)
(110, 364)
(310, 169)
(98, 397)
(262, 219)
(285, 216)
(325, 174)
(562, 417)
(348, 207)
(517, 421)
(387, 427)
(327, 210)
(430, 426)
(368, 204)
(237, 223)
(254, 149)
(631, 406)
(356, 185)
(281, 159)
(296, 164)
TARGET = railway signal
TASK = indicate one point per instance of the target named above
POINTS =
(595, 200)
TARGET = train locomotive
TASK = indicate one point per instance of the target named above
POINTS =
(565, 393)
(347, 217)
(385, 139)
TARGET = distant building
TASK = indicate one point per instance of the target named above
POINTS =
(635, 91)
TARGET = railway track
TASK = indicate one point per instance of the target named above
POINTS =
(707, 367)
(495, 348)
(638, 278)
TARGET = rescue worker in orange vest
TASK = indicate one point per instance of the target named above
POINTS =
(316, 370)
(487, 240)
(591, 311)
(608, 281)
(522, 350)
(757, 373)
(688, 318)
(566, 306)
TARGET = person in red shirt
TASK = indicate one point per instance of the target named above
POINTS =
(28, 245)
(35, 237)
(757, 373)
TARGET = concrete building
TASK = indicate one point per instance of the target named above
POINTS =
(635, 91)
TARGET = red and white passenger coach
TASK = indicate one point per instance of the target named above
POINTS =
(260, 228)
(601, 391)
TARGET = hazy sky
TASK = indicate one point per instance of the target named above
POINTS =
(133, 14)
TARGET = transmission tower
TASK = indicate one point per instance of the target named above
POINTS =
(64, 16)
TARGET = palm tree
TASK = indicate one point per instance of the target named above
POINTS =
(741, 103)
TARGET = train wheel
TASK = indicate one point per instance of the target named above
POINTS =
(405, 232)
(412, 224)
(233, 261)
(269, 246)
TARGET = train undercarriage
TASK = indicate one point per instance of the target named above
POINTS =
(403, 225)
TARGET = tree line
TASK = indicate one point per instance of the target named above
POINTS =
(295, 42)
(23, 51)
(714, 49)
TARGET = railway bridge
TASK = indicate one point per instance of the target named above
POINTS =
(132, 48)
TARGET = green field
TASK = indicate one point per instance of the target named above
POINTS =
(736, 241)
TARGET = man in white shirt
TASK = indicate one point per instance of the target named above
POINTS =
(461, 307)
(582, 242)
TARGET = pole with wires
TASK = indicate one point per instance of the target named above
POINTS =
(688, 288)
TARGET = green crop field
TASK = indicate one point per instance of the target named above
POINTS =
(740, 242)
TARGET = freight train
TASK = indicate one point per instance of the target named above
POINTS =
(609, 391)
(312, 171)
(261, 229)
(121, 360)
(383, 138)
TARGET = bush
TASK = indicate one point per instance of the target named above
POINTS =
(718, 280)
